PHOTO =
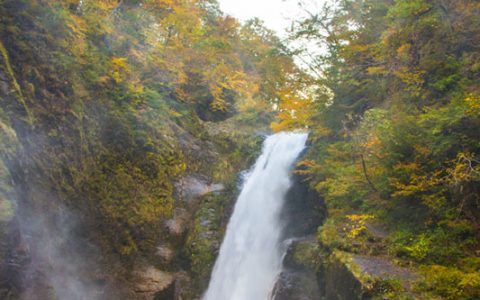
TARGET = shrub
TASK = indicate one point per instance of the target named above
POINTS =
(451, 283)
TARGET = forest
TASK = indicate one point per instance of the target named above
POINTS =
(121, 119)
(395, 136)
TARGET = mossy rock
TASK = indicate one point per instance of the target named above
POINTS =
(350, 276)
(293, 285)
(344, 279)
(205, 236)
(304, 254)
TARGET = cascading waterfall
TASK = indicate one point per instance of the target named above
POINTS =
(250, 255)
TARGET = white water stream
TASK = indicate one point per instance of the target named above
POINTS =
(250, 255)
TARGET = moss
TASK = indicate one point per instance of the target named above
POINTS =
(308, 255)
(205, 237)
(8, 144)
(132, 200)
(347, 260)
(6, 210)
(238, 150)
(18, 91)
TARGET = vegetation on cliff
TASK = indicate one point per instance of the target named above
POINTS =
(104, 95)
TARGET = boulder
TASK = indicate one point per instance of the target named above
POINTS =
(352, 276)
(296, 285)
(150, 281)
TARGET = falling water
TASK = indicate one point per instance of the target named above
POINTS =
(250, 255)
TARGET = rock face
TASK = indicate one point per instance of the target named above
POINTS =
(194, 186)
(340, 283)
(302, 214)
(381, 267)
(299, 280)
(150, 280)
(351, 276)
(187, 191)
(296, 285)
(304, 210)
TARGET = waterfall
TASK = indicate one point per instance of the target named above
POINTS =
(250, 255)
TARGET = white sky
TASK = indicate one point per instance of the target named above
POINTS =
(277, 14)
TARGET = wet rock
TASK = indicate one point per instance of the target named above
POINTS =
(178, 224)
(299, 280)
(341, 283)
(165, 252)
(183, 287)
(303, 211)
(150, 281)
(195, 186)
(292, 285)
(188, 191)
(167, 293)
(303, 254)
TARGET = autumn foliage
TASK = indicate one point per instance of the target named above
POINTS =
(394, 129)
